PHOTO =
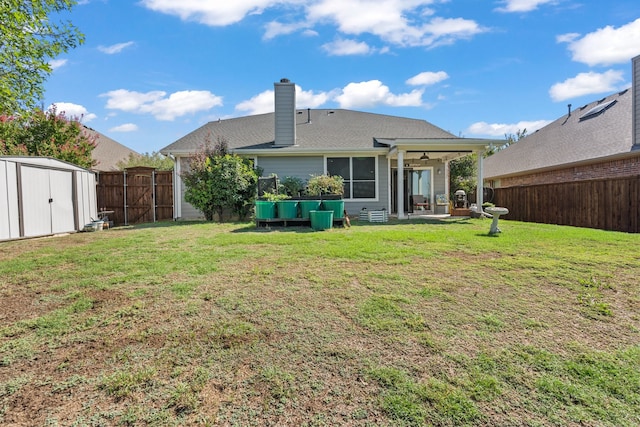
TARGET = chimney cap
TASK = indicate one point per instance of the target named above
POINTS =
(285, 80)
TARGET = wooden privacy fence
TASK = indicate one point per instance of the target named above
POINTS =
(610, 204)
(136, 195)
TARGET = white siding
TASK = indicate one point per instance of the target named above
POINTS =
(9, 216)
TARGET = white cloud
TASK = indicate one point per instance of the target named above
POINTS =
(427, 78)
(127, 127)
(73, 111)
(522, 5)
(373, 92)
(159, 105)
(213, 13)
(57, 63)
(115, 48)
(606, 46)
(399, 22)
(259, 104)
(567, 38)
(264, 102)
(587, 84)
(342, 47)
(502, 129)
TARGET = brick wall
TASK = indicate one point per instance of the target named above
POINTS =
(611, 169)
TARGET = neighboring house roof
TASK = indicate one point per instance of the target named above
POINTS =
(599, 130)
(108, 152)
(316, 131)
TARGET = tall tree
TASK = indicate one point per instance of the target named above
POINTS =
(30, 37)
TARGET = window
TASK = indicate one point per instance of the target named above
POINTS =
(359, 174)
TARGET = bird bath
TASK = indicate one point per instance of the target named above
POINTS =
(495, 212)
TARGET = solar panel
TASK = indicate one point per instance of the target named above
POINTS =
(598, 109)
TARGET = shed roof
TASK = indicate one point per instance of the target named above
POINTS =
(43, 162)
(598, 130)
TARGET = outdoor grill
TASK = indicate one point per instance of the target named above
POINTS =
(460, 199)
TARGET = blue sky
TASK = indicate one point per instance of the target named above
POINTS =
(152, 71)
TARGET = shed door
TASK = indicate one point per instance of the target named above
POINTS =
(61, 190)
(47, 201)
(36, 212)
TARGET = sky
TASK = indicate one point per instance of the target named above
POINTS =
(151, 71)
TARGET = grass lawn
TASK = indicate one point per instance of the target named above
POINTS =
(398, 324)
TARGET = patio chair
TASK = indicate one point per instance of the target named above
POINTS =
(420, 203)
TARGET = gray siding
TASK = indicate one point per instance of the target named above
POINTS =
(636, 100)
(384, 186)
(285, 114)
(300, 167)
(188, 211)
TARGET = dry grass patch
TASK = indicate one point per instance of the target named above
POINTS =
(399, 324)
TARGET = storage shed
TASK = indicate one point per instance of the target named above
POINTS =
(41, 196)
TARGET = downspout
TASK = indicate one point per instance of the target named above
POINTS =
(177, 196)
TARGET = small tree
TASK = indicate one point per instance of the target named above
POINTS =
(47, 133)
(463, 174)
(154, 160)
(217, 180)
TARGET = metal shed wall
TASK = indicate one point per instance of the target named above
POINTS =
(43, 196)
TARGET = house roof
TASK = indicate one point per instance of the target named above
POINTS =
(316, 130)
(598, 130)
(108, 152)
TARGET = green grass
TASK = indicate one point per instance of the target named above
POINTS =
(400, 324)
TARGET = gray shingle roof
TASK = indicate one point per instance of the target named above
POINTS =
(570, 140)
(108, 152)
(327, 129)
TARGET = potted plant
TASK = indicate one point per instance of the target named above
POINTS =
(292, 185)
(330, 189)
(266, 206)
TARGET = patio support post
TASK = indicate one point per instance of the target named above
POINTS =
(400, 181)
(480, 185)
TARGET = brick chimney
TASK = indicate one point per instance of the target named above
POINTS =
(285, 116)
(636, 100)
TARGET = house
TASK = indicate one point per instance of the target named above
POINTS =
(581, 170)
(384, 160)
(598, 140)
(108, 153)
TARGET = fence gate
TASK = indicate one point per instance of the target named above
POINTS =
(136, 195)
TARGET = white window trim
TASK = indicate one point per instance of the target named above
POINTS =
(350, 156)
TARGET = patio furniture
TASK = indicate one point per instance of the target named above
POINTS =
(420, 203)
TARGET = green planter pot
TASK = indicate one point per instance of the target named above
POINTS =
(337, 206)
(321, 220)
(287, 209)
(307, 206)
(265, 209)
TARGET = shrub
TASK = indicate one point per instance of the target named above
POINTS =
(325, 184)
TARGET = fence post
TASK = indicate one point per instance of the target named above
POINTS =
(126, 218)
(153, 194)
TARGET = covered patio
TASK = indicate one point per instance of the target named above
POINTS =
(409, 157)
